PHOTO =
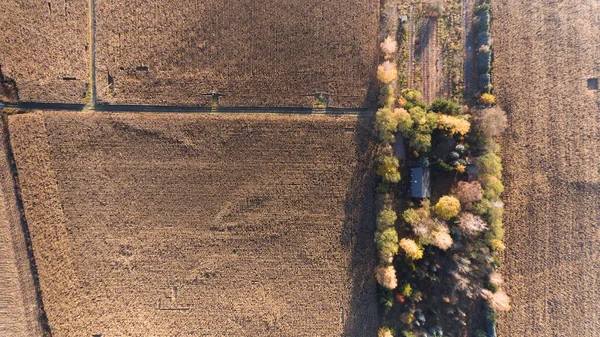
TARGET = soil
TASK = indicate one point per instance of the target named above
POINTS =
(431, 60)
(19, 312)
(44, 49)
(207, 225)
(544, 53)
(470, 50)
(255, 53)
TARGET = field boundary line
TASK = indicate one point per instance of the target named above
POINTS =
(35, 106)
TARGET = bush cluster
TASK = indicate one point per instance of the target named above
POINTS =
(417, 125)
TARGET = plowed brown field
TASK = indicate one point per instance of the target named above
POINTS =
(200, 225)
(544, 53)
(43, 47)
(256, 53)
(19, 313)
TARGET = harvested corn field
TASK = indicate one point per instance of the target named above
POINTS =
(200, 225)
(255, 53)
(19, 313)
(544, 53)
(44, 48)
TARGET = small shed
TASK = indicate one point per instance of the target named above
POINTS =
(420, 183)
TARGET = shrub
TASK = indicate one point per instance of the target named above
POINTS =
(482, 207)
(491, 122)
(421, 143)
(496, 279)
(387, 243)
(497, 245)
(387, 72)
(468, 193)
(485, 82)
(386, 299)
(413, 216)
(492, 187)
(471, 224)
(386, 123)
(386, 219)
(453, 125)
(445, 106)
(385, 332)
(405, 122)
(483, 24)
(498, 301)
(487, 99)
(412, 96)
(388, 168)
(441, 239)
(484, 48)
(483, 8)
(386, 277)
(386, 96)
(424, 122)
(480, 333)
(434, 8)
(447, 207)
(389, 46)
(483, 38)
(484, 62)
(406, 290)
(413, 250)
(489, 164)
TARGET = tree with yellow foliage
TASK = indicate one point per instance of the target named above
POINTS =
(447, 207)
(487, 99)
(387, 72)
(412, 249)
(388, 168)
(454, 125)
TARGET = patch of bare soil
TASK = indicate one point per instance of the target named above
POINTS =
(431, 59)
(202, 225)
(544, 53)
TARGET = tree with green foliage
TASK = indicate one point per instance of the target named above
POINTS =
(445, 107)
(386, 219)
(387, 243)
(489, 164)
(388, 168)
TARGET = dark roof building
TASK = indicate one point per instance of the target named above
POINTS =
(420, 183)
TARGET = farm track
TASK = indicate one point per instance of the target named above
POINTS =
(411, 49)
(544, 53)
(470, 71)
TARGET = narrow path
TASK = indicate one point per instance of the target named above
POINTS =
(92, 15)
(33, 106)
(411, 48)
(470, 73)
